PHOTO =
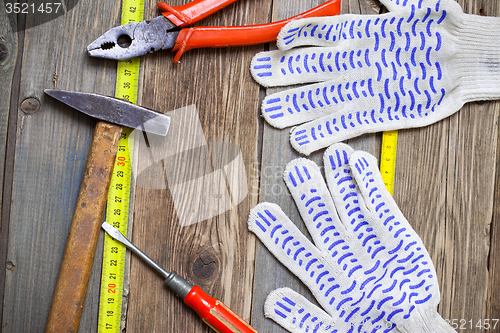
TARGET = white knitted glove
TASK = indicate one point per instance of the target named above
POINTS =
(367, 268)
(411, 67)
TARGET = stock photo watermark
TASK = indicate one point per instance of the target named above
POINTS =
(205, 179)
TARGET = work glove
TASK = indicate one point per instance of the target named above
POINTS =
(411, 67)
(367, 267)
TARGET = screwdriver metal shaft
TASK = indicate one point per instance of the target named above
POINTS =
(213, 312)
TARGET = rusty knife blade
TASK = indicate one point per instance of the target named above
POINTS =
(114, 110)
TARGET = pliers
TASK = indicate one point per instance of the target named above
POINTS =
(164, 32)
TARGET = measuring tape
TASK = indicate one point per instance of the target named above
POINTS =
(388, 159)
(117, 210)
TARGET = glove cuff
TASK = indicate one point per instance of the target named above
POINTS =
(425, 322)
(478, 57)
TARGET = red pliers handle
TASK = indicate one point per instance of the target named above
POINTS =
(197, 37)
(192, 12)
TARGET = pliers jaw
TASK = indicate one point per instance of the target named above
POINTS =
(134, 39)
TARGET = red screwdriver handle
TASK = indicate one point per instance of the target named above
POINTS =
(192, 12)
(215, 313)
(192, 38)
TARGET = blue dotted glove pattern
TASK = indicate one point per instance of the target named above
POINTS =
(375, 73)
(367, 268)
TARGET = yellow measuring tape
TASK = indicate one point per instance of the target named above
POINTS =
(388, 159)
(117, 211)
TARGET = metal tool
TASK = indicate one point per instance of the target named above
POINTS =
(71, 287)
(162, 32)
(213, 312)
(388, 159)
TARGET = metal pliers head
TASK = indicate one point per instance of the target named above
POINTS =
(134, 39)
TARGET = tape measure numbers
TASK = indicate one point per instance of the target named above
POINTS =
(388, 159)
(117, 210)
(110, 307)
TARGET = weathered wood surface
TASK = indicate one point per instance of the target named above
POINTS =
(218, 253)
(446, 176)
(50, 154)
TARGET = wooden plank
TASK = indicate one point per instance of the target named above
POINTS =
(446, 188)
(276, 153)
(8, 57)
(51, 152)
(217, 253)
(493, 306)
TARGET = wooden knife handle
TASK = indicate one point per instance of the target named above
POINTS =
(71, 287)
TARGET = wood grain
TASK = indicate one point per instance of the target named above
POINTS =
(74, 274)
(446, 176)
(50, 155)
(490, 8)
(276, 153)
(444, 186)
(217, 253)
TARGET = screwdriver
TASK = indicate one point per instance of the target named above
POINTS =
(212, 311)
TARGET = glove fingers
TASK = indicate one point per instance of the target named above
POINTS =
(278, 68)
(295, 313)
(305, 182)
(360, 58)
(370, 29)
(356, 207)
